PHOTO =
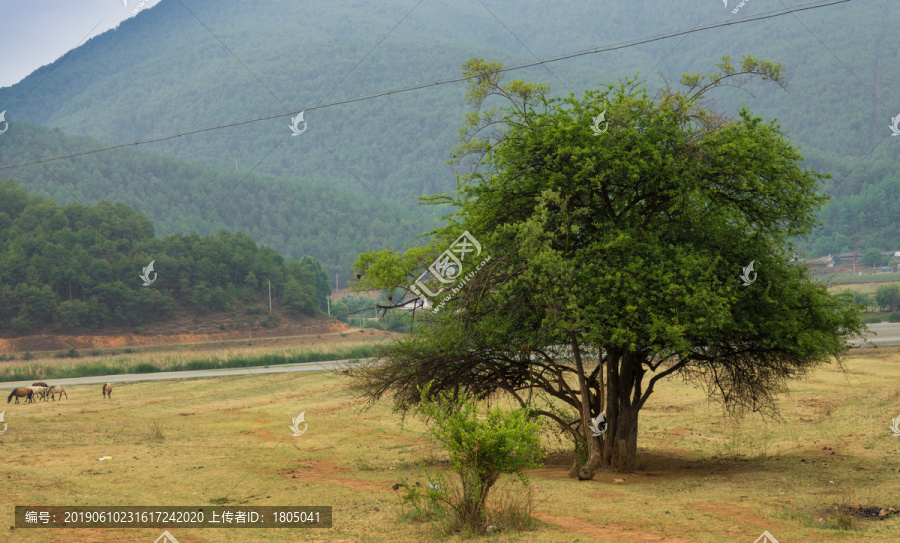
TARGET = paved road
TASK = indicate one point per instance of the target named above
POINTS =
(197, 374)
(887, 333)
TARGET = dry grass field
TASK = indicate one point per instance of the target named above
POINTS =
(226, 441)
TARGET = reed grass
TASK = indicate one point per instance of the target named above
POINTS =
(155, 362)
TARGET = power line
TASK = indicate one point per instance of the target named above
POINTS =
(457, 79)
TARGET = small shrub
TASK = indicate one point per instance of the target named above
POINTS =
(140, 330)
(271, 321)
(95, 352)
(145, 367)
(421, 503)
(480, 450)
(27, 356)
(156, 433)
(71, 353)
(129, 350)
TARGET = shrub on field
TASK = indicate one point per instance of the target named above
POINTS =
(480, 451)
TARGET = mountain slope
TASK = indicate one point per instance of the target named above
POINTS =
(169, 70)
(294, 217)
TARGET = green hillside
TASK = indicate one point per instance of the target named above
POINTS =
(163, 72)
(75, 266)
(295, 217)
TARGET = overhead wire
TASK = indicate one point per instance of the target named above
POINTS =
(439, 82)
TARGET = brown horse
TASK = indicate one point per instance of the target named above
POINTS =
(23, 392)
(58, 389)
(40, 384)
(107, 390)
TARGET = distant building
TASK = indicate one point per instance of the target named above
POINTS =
(849, 258)
(821, 262)
(415, 303)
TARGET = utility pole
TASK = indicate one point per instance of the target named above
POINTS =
(270, 296)
(328, 299)
(336, 287)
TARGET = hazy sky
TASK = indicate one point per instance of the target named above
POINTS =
(35, 33)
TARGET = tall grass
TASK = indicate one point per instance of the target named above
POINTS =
(133, 365)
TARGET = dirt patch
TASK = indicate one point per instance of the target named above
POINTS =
(734, 512)
(620, 532)
(263, 435)
(181, 331)
(327, 471)
(674, 433)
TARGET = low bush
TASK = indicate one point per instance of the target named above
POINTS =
(480, 451)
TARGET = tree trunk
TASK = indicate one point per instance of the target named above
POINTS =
(594, 449)
(624, 374)
(621, 449)
(586, 471)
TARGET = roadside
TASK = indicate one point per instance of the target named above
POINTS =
(196, 374)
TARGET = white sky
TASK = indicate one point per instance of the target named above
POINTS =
(35, 33)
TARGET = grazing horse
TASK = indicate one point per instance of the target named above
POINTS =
(40, 392)
(23, 392)
(58, 389)
(40, 384)
(107, 390)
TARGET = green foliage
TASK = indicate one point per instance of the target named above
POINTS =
(862, 298)
(624, 248)
(888, 297)
(871, 218)
(71, 353)
(422, 503)
(350, 307)
(873, 257)
(300, 299)
(396, 321)
(481, 450)
(76, 266)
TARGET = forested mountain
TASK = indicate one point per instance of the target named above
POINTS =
(74, 266)
(298, 217)
(170, 69)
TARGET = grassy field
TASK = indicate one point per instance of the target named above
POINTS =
(703, 478)
(871, 278)
(861, 288)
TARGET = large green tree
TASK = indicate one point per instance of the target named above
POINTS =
(615, 259)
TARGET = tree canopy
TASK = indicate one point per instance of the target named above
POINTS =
(615, 259)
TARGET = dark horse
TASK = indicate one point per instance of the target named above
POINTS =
(107, 390)
(24, 392)
(40, 384)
